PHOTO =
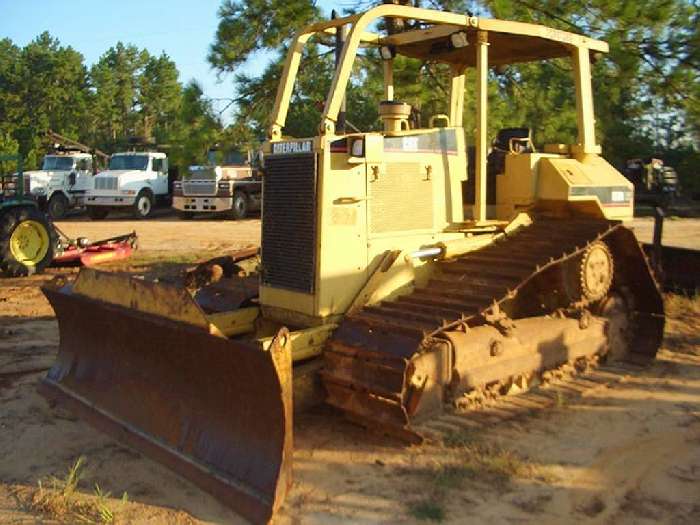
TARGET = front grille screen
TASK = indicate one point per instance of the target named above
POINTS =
(106, 183)
(289, 222)
(199, 187)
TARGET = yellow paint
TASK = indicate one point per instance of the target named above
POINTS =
(235, 322)
(399, 198)
(29, 242)
(304, 343)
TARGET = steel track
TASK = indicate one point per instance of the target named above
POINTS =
(367, 362)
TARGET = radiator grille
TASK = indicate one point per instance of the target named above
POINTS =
(106, 183)
(203, 187)
(401, 199)
(289, 222)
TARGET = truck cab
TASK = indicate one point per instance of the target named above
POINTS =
(235, 190)
(62, 182)
(135, 180)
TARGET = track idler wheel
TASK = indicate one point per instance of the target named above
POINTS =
(588, 277)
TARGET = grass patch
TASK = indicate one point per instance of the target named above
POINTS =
(682, 332)
(494, 464)
(466, 459)
(682, 306)
(476, 459)
(58, 499)
(460, 438)
(427, 510)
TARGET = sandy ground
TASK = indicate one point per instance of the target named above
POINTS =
(628, 452)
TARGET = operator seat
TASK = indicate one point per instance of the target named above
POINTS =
(508, 140)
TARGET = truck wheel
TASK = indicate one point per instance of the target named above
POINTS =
(58, 206)
(143, 205)
(240, 205)
(27, 242)
(97, 213)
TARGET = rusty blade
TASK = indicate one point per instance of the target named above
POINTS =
(678, 268)
(214, 410)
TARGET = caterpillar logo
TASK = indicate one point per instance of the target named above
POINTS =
(287, 148)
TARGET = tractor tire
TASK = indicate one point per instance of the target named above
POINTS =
(27, 241)
(97, 213)
(58, 206)
(240, 207)
(143, 205)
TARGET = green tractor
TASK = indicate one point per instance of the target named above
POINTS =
(27, 238)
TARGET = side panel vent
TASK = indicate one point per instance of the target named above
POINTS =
(401, 199)
(289, 222)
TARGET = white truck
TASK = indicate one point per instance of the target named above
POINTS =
(135, 180)
(233, 190)
(62, 182)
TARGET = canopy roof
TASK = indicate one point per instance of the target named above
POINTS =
(509, 42)
(506, 44)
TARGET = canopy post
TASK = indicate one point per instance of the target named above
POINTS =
(482, 71)
(584, 103)
(388, 80)
(457, 96)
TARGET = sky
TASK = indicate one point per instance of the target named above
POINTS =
(183, 29)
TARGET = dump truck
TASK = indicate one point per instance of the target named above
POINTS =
(135, 181)
(232, 189)
(371, 280)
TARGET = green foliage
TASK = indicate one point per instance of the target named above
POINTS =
(427, 510)
(255, 25)
(116, 80)
(126, 93)
(647, 88)
(195, 127)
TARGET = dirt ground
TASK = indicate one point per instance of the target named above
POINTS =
(623, 452)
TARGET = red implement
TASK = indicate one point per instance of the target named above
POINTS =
(112, 249)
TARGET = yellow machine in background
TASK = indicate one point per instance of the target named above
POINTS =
(371, 277)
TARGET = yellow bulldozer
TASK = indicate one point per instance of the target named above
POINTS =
(377, 286)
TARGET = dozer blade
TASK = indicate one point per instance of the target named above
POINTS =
(217, 411)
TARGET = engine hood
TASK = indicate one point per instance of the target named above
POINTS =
(121, 173)
(38, 179)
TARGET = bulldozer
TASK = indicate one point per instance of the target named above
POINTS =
(377, 291)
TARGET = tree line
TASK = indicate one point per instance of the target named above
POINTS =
(647, 89)
(128, 94)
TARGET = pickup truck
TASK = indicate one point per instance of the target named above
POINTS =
(133, 180)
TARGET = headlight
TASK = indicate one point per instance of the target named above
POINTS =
(39, 191)
(177, 184)
(223, 185)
